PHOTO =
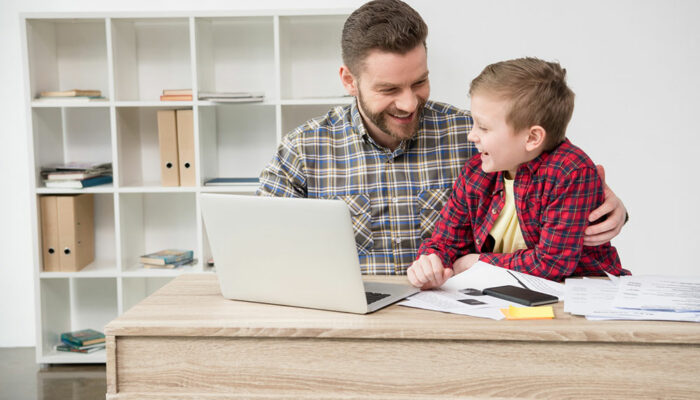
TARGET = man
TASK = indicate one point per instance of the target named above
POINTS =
(392, 155)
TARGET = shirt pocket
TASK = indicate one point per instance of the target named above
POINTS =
(361, 215)
(430, 202)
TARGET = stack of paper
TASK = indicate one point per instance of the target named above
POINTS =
(662, 298)
(462, 294)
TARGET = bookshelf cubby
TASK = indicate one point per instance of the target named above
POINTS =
(291, 56)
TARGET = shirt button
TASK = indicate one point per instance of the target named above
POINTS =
(397, 240)
(395, 199)
(494, 211)
(478, 242)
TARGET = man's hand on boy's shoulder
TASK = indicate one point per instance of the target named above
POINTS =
(427, 272)
(615, 213)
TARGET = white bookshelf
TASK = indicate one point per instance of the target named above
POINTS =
(291, 56)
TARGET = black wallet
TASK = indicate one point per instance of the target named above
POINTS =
(521, 296)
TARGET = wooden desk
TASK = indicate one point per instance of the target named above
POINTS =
(186, 341)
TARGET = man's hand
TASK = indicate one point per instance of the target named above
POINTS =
(427, 272)
(465, 262)
(604, 231)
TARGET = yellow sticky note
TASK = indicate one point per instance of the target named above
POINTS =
(541, 312)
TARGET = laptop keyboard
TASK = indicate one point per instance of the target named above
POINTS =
(372, 297)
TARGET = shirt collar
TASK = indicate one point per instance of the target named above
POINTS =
(529, 167)
(532, 165)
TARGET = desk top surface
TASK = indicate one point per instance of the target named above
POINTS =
(192, 305)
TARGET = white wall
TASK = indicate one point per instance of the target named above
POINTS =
(633, 65)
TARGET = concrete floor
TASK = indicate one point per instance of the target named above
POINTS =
(22, 378)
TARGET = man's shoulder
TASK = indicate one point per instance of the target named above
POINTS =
(440, 109)
(336, 120)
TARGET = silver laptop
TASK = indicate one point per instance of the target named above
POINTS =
(295, 252)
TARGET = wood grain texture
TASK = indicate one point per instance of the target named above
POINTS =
(331, 368)
(111, 365)
(187, 342)
(192, 305)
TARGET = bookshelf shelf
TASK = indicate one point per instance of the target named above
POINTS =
(230, 189)
(154, 103)
(292, 56)
(107, 188)
(70, 104)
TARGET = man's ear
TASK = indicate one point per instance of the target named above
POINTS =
(535, 137)
(348, 80)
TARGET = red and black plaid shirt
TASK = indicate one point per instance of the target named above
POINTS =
(554, 193)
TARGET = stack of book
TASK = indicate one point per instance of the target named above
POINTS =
(176, 95)
(167, 258)
(82, 341)
(75, 95)
(231, 181)
(232, 97)
(76, 175)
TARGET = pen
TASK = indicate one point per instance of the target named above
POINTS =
(516, 278)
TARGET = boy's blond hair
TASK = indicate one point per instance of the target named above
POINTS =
(537, 93)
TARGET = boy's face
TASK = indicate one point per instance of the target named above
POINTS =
(391, 90)
(501, 148)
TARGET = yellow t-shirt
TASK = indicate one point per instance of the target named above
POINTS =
(506, 231)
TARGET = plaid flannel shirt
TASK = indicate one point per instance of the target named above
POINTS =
(394, 197)
(554, 193)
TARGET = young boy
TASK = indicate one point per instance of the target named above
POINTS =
(523, 202)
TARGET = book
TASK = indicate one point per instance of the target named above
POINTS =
(65, 347)
(232, 97)
(72, 175)
(77, 165)
(164, 257)
(229, 95)
(177, 92)
(77, 99)
(62, 173)
(87, 347)
(78, 183)
(72, 93)
(170, 265)
(83, 337)
(179, 97)
(231, 181)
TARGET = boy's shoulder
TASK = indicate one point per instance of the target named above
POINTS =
(567, 158)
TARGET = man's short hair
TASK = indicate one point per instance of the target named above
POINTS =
(387, 25)
(537, 92)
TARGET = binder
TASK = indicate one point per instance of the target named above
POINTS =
(185, 145)
(167, 140)
(49, 234)
(76, 241)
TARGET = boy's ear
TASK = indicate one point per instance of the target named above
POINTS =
(348, 80)
(535, 138)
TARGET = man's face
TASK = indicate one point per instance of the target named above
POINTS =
(391, 91)
(501, 148)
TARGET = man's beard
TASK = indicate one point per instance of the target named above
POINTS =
(380, 120)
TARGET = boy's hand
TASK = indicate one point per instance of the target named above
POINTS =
(615, 211)
(465, 262)
(427, 272)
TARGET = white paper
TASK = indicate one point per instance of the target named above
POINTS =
(482, 275)
(595, 298)
(660, 293)
(586, 296)
(461, 294)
